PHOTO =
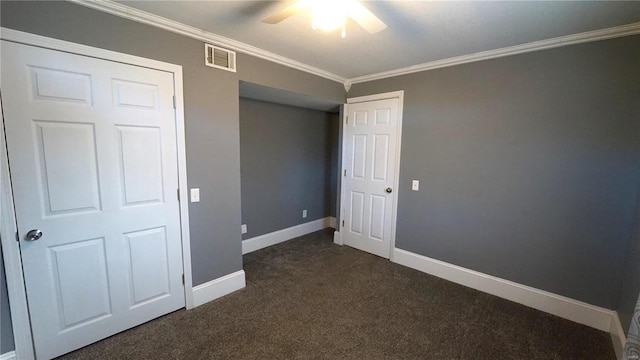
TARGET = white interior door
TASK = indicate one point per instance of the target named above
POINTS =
(93, 162)
(371, 143)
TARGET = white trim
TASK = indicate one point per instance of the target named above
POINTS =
(144, 17)
(11, 355)
(13, 266)
(394, 212)
(276, 237)
(218, 288)
(570, 309)
(589, 36)
(336, 238)
(347, 85)
(183, 188)
(383, 96)
(331, 222)
(618, 337)
(12, 260)
(343, 151)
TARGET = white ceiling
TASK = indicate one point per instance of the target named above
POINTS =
(418, 31)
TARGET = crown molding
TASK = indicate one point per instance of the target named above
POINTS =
(144, 17)
(589, 36)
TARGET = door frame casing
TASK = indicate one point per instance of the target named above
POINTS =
(8, 228)
(394, 211)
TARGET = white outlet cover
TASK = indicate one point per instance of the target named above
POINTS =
(415, 185)
(304, 214)
(243, 228)
(195, 195)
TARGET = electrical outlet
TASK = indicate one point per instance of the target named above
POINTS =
(243, 228)
(195, 195)
(415, 185)
(304, 214)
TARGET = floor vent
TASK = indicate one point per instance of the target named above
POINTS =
(219, 58)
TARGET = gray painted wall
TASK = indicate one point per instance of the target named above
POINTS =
(285, 164)
(262, 72)
(630, 289)
(6, 329)
(528, 165)
(211, 113)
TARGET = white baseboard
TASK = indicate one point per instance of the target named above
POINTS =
(570, 309)
(337, 239)
(276, 237)
(332, 222)
(618, 338)
(218, 288)
(11, 355)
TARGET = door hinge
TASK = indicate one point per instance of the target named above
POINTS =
(342, 223)
(347, 120)
(17, 237)
(345, 172)
(182, 279)
(174, 101)
(178, 192)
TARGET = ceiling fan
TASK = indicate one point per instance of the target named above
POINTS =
(331, 15)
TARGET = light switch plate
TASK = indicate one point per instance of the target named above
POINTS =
(243, 228)
(195, 195)
(415, 185)
(304, 214)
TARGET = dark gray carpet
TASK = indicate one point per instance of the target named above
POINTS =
(310, 299)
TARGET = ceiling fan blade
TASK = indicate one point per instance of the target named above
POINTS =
(286, 12)
(364, 17)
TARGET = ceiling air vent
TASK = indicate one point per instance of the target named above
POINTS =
(219, 58)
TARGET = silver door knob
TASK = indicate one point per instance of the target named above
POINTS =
(388, 190)
(33, 235)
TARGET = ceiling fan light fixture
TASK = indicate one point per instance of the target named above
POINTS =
(328, 15)
(331, 15)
